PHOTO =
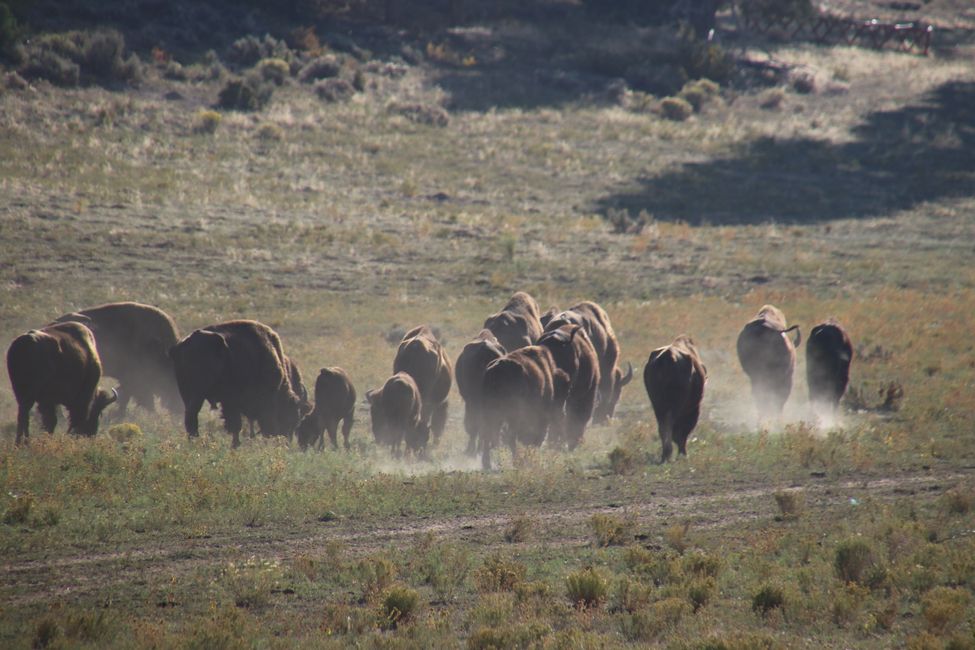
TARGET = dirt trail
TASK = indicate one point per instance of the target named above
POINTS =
(41, 580)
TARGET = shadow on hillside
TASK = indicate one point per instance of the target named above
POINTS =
(921, 152)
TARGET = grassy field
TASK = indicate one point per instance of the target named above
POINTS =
(338, 223)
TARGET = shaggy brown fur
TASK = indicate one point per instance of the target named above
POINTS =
(595, 321)
(517, 324)
(422, 357)
(133, 342)
(240, 365)
(525, 390)
(674, 378)
(574, 354)
(829, 353)
(768, 357)
(396, 415)
(334, 403)
(469, 370)
(57, 364)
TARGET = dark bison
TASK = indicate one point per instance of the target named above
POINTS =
(334, 403)
(575, 356)
(396, 415)
(674, 378)
(57, 364)
(241, 366)
(768, 357)
(469, 371)
(422, 357)
(517, 325)
(594, 319)
(526, 391)
(133, 342)
(829, 353)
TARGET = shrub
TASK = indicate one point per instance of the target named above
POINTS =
(247, 51)
(854, 560)
(676, 537)
(447, 567)
(274, 71)
(701, 564)
(944, 608)
(517, 530)
(126, 431)
(322, 67)
(88, 626)
(207, 121)
(244, 94)
(847, 603)
(375, 574)
(621, 460)
(499, 574)
(699, 58)
(516, 636)
(771, 99)
(631, 595)
(334, 90)
(767, 598)
(586, 588)
(608, 530)
(804, 83)
(699, 592)
(398, 605)
(699, 92)
(676, 109)
(791, 503)
(959, 501)
(274, 133)
(428, 114)
(48, 65)
(46, 633)
(19, 510)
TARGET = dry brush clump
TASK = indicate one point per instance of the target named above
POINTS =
(81, 57)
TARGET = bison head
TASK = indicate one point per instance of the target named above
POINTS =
(102, 399)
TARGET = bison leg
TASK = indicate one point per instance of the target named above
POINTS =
(471, 421)
(665, 428)
(438, 420)
(49, 416)
(686, 426)
(233, 423)
(23, 422)
(333, 434)
(191, 418)
(347, 429)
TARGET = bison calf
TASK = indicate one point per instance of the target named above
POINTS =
(829, 353)
(334, 403)
(768, 357)
(241, 366)
(469, 371)
(674, 378)
(395, 410)
(421, 356)
(57, 364)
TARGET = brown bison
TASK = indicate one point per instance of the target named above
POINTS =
(422, 357)
(575, 356)
(469, 370)
(829, 353)
(57, 364)
(526, 391)
(768, 357)
(674, 378)
(517, 325)
(133, 342)
(334, 402)
(594, 319)
(241, 366)
(396, 415)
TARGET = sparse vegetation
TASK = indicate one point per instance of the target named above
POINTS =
(248, 93)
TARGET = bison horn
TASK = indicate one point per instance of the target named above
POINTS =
(114, 396)
(628, 376)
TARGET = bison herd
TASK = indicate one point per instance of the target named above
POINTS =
(526, 378)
